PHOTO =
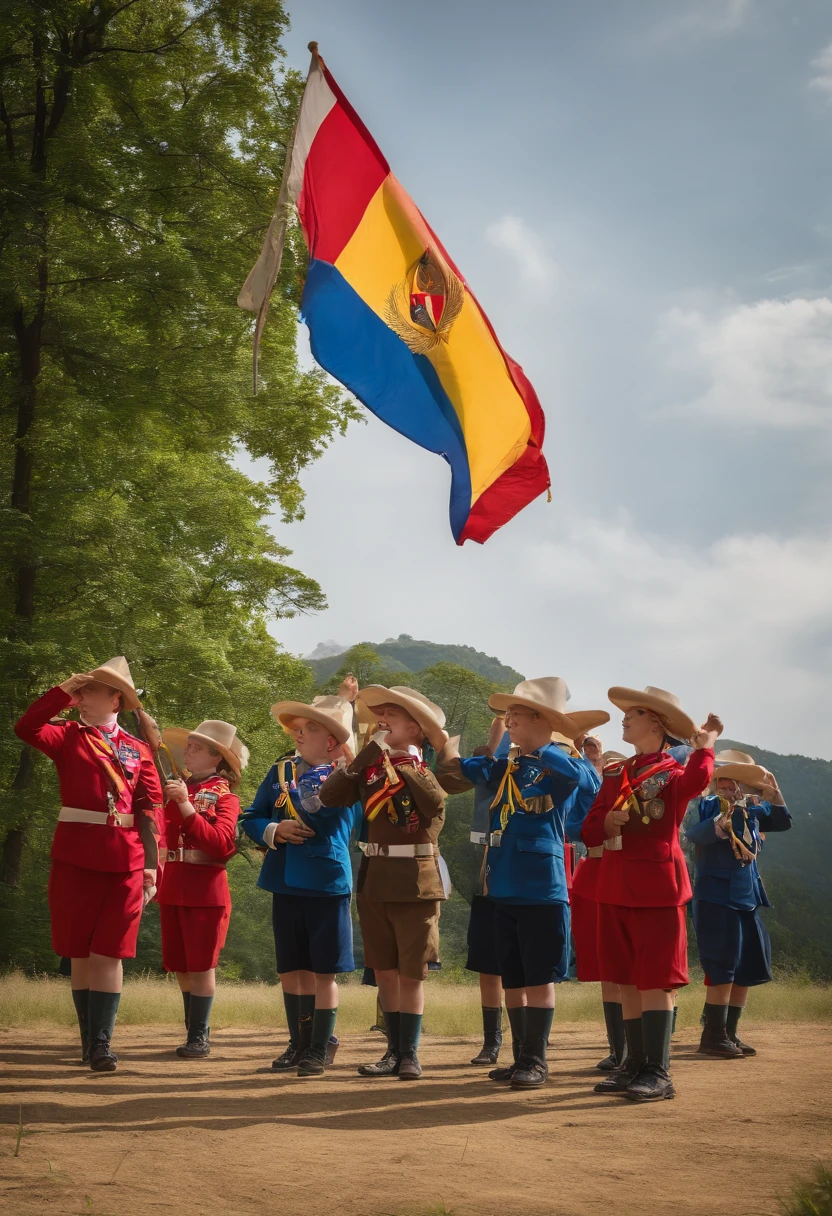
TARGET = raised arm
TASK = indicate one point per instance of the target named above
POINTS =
(35, 727)
(428, 794)
(589, 783)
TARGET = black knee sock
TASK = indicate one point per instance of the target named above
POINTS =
(410, 1030)
(306, 1010)
(103, 1008)
(715, 1019)
(186, 1001)
(492, 1026)
(200, 1015)
(81, 1001)
(614, 1018)
(323, 1027)
(291, 1003)
(655, 1027)
(733, 1016)
(634, 1037)
(536, 1038)
(517, 1021)
(392, 1025)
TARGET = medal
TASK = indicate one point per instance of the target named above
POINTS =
(652, 809)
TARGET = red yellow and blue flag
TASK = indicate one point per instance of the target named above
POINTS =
(392, 318)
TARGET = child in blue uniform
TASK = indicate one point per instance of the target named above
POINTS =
(744, 802)
(307, 869)
(540, 794)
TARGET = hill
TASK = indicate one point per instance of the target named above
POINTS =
(411, 654)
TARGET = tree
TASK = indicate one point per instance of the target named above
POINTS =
(143, 142)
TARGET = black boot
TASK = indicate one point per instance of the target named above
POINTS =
(619, 1081)
(314, 1060)
(517, 1022)
(614, 1019)
(388, 1065)
(103, 1007)
(81, 1001)
(197, 1046)
(290, 1058)
(186, 1004)
(492, 1036)
(715, 1041)
(532, 1070)
(653, 1082)
(734, 1015)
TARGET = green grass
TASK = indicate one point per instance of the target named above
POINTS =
(450, 1008)
(811, 1197)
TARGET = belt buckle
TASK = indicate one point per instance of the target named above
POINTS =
(496, 840)
(176, 855)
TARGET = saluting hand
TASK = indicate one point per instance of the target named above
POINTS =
(73, 686)
(292, 831)
(708, 733)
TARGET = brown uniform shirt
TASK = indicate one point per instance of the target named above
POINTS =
(393, 879)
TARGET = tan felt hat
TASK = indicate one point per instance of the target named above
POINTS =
(739, 766)
(335, 713)
(116, 673)
(666, 707)
(548, 696)
(222, 736)
(429, 716)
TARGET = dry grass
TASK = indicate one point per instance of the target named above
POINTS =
(450, 1009)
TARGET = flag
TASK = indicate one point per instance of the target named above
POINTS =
(392, 318)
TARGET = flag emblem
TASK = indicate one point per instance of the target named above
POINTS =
(422, 307)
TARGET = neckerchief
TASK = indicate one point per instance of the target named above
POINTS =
(741, 852)
(392, 784)
(630, 786)
(508, 796)
(287, 775)
(107, 760)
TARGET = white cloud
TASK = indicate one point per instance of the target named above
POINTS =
(821, 82)
(516, 237)
(706, 19)
(768, 363)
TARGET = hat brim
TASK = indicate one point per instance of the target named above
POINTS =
(374, 695)
(572, 725)
(106, 675)
(284, 711)
(178, 736)
(748, 774)
(676, 722)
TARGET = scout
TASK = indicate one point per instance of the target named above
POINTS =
(584, 909)
(744, 802)
(399, 881)
(200, 827)
(642, 884)
(539, 794)
(307, 869)
(104, 855)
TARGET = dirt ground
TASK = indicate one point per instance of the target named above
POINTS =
(224, 1136)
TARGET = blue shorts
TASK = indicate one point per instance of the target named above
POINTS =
(312, 933)
(482, 944)
(532, 943)
(734, 947)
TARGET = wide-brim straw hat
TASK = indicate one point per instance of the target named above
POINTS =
(665, 705)
(116, 674)
(334, 713)
(739, 766)
(430, 717)
(613, 758)
(548, 696)
(222, 736)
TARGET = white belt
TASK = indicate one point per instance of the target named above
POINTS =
(72, 814)
(479, 838)
(194, 857)
(397, 850)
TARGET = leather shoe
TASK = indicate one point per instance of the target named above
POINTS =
(502, 1074)
(608, 1064)
(719, 1046)
(489, 1054)
(289, 1059)
(409, 1067)
(619, 1081)
(745, 1048)
(387, 1066)
(652, 1084)
(102, 1058)
(313, 1062)
(530, 1073)
(196, 1048)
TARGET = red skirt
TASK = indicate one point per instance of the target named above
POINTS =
(585, 934)
(192, 938)
(647, 947)
(94, 911)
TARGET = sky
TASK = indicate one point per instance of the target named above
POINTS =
(639, 193)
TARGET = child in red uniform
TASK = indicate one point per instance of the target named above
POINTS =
(103, 852)
(643, 882)
(200, 827)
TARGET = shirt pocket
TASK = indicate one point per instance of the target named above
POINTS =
(537, 861)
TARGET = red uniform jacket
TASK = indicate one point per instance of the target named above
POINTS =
(585, 878)
(649, 870)
(211, 830)
(84, 785)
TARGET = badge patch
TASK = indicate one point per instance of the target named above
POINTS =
(206, 800)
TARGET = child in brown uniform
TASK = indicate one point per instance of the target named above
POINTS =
(399, 882)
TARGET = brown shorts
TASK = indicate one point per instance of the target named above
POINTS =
(401, 937)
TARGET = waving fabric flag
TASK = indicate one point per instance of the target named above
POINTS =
(392, 318)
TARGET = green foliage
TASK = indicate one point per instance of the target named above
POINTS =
(811, 1197)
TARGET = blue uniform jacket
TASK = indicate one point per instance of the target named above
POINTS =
(527, 867)
(720, 877)
(319, 866)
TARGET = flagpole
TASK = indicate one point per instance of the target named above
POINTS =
(256, 292)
